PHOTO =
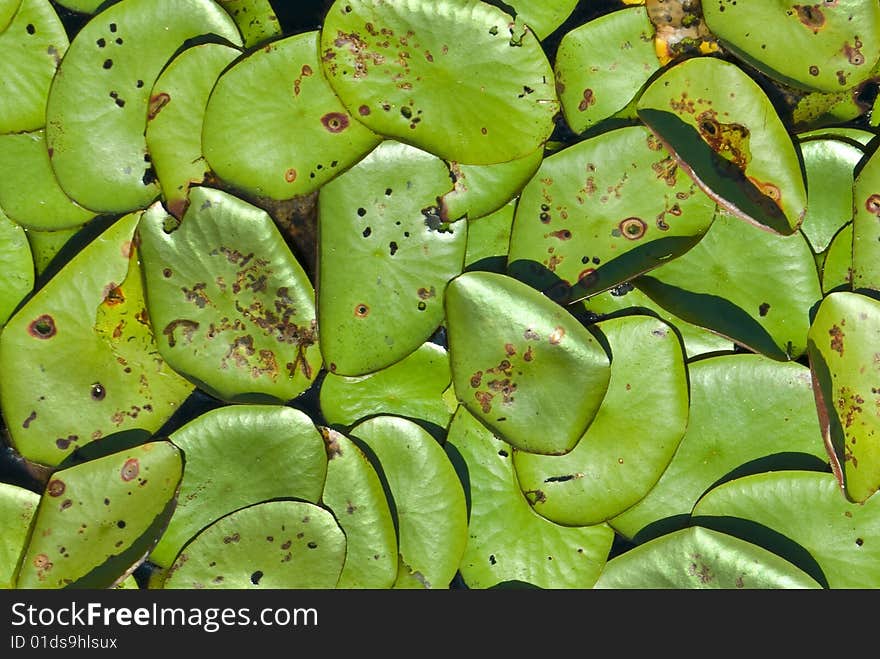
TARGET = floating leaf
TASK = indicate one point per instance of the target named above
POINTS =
(632, 438)
(601, 65)
(272, 545)
(801, 516)
(836, 43)
(837, 267)
(427, 497)
(866, 226)
(223, 449)
(461, 80)
(726, 134)
(410, 388)
(517, 357)
(17, 508)
(91, 314)
(233, 309)
(748, 413)
(256, 20)
(29, 192)
(842, 348)
(354, 493)
(603, 211)
(385, 258)
(488, 240)
(31, 47)
(17, 273)
(247, 137)
(700, 558)
(97, 520)
(100, 97)
(508, 541)
(752, 286)
(830, 165)
(174, 121)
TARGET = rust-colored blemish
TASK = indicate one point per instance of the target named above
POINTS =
(837, 335)
(157, 102)
(290, 175)
(364, 110)
(854, 53)
(588, 100)
(476, 379)
(633, 228)
(872, 204)
(27, 422)
(113, 295)
(729, 140)
(556, 335)
(811, 16)
(130, 469)
(361, 310)
(56, 487)
(335, 122)
(767, 189)
(509, 349)
(42, 327)
(484, 398)
(587, 277)
(562, 234)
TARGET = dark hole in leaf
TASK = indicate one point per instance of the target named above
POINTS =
(42, 327)
(97, 391)
(255, 577)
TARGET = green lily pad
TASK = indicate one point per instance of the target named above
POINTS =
(700, 558)
(233, 309)
(866, 226)
(428, 499)
(842, 348)
(748, 413)
(836, 43)
(17, 508)
(92, 314)
(850, 134)
(247, 137)
(517, 358)
(801, 516)
(461, 80)
(223, 449)
(17, 274)
(632, 438)
(8, 8)
(749, 285)
(830, 165)
(256, 20)
(412, 388)
(45, 245)
(31, 48)
(174, 121)
(488, 240)
(354, 493)
(603, 211)
(508, 541)
(542, 16)
(726, 134)
(811, 110)
(837, 270)
(385, 258)
(601, 65)
(100, 97)
(29, 192)
(271, 545)
(97, 520)
(628, 299)
(483, 189)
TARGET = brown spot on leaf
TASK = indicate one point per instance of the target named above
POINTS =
(633, 228)
(290, 175)
(872, 204)
(157, 102)
(588, 100)
(56, 487)
(130, 469)
(42, 327)
(836, 339)
(811, 16)
(335, 122)
(361, 310)
(556, 335)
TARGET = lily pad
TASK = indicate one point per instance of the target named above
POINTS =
(830, 165)
(17, 274)
(508, 541)
(632, 438)
(518, 358)
(837, 270)
(801, 516)
(462, 80)
(483, 189)
(233, 309)
(601, 65)
(97, 520)
(271, 545)
(700, 558)
(866, 226)
(354, 493)
(17, 508)
(100, 97)
(412, 388)
(837, 42)
(752, 286)
(726, 134)
(385, 257)
(427, 499)
(842, 348)
(174, 121)
(542, 16)
(488, 240)
(91, 314)
(29, 192)
(603, 211)
(247, 137)
(31, 48)
(279, 443)
(256, 20)
(748, 414)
